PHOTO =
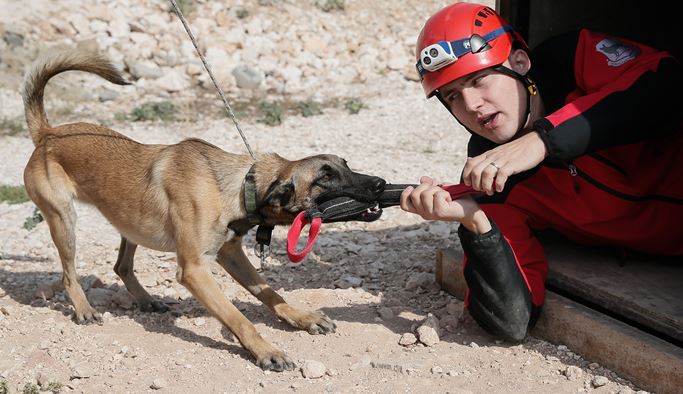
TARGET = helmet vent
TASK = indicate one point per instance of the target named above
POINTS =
(477, 23)
(482, 14)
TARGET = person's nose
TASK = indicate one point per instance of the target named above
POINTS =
(472, 99)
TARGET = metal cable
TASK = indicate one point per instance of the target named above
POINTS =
(213, 79)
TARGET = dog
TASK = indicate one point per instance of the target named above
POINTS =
(188, 198)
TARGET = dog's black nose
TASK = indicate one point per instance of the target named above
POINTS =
(378, 185)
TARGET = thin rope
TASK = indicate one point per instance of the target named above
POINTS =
(213, 79)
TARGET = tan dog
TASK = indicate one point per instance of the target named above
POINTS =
(186, 198)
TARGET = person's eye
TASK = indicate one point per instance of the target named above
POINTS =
(452, 97)
(478, 80)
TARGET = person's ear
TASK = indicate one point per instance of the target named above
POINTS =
(519, 61)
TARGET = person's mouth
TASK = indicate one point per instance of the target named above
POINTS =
(489, 121)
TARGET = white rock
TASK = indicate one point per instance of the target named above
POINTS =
(173, 81)
(599, 381)
(428, 332)
(313, 369)
(407, 339)
(159, 383)
(573, 373)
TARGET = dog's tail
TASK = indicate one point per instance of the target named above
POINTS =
(47, 67)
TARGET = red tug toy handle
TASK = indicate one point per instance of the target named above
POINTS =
(295, 232)
(456, 191)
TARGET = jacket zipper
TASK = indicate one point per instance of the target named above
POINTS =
(574, 171)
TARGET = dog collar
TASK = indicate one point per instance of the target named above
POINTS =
(263, 233)
(250, 197)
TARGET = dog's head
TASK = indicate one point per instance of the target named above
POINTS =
(285, 188)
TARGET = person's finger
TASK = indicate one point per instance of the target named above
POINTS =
(501, 178)
(405, 201)
(488, 176)
(476, 175)
(427, 200)
(416, 199)
(426, 179)
(470, 164)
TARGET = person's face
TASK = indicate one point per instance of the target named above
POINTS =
(490, 103)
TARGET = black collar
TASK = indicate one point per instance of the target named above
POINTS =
(250, 199)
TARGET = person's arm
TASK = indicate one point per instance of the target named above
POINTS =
(505, 274)
(624, 92)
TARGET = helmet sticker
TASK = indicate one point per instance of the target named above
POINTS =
(617, 52)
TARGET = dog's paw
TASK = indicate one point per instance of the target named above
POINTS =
(89, 316)
(154, 306)
(319, 323)
(276, 361)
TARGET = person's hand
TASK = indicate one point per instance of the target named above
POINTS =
(432, 202)
(489, 171)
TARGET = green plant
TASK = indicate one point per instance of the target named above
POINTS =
(354, 105)
(13, 194)
(54, 387)
(184, 5)
(31, 221)
(272, 113)
(162, 110)
(3, 387)
(241, 13)
(11, 127)
(309, 108)
(330, 5)
(30, 388)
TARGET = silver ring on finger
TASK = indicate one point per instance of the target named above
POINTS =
(493, 163)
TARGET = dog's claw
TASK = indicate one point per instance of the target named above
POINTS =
(323, 325)
(154, 306)
(88, 317)
(277, 362)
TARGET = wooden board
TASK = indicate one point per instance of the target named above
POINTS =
(645, 291)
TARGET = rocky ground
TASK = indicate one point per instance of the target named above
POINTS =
(396, 331)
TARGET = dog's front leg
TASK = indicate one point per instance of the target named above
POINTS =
(232, 258)
(193, 274)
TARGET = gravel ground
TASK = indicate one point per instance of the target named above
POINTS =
(374, 279)
(397, 332)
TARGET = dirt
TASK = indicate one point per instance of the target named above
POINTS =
(375, 280)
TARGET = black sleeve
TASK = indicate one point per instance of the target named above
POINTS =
(499, 299)
(648, 108)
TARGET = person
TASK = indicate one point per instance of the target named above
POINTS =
(580, 135)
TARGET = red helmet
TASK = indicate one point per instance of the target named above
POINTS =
(461, 39)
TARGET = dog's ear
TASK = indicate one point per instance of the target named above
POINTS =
(279, 194)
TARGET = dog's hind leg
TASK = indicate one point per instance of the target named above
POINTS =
(232, 258)
(124, 269)
(52, 195)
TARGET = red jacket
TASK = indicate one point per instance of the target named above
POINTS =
(613, 175)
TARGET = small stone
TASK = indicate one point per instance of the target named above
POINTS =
(247, 77)
(407, 339)
(332, 372)
(386, 313)
(428, 332)
(573, 373)
(437, 369)
(562, 348)
(159, 383)
(365, 361)
(200, 321)
(81, 371)
(599, 381)
(593, 365)
(313, 369)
